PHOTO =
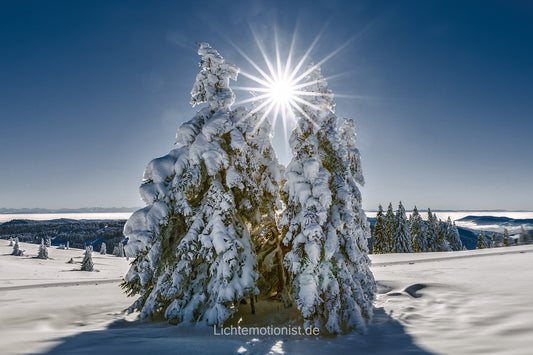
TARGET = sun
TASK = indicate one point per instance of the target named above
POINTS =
(280, 88)
(282, 91)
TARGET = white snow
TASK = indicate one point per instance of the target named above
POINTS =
(466, 302)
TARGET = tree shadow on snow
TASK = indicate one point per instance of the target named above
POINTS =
(384, 336)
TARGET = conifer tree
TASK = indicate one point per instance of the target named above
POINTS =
(324, 226)
(103, 248)
(402, 236)
(68, 244)
(48, 242)
(119, 250)
(524, 236)
(16, 249)
(442, 242)
(194, 257)
(432, 232)
(452, 235)
(505, 238)
(87, 263)
(482, 242)
(418, 232)
(10, 241)
(43, 251)
(390, 228)
(493, 241)
(380, 245)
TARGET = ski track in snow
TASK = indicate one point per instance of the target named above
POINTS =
(430, 303)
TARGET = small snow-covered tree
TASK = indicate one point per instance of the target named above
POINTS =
(505, 238)
(418, 232)
(524, 236)
(48, 242)
(482, 242)
(87, 263)
(442, 242)
(194, 256)
(452, 235)
(43, 250)
(401, 242)
(11, 241)
(103, 248)
(16, 249)
(380, 245)
(324, 226)
(118, 250)
(494, 243)
(390, 220)
(68, 244)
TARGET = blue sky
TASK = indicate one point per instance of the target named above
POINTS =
(91, 91)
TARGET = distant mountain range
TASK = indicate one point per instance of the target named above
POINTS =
(68, 210)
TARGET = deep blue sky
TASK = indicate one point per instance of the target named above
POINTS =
(91, 91)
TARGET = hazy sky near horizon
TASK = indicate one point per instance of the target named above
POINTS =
(91, 91)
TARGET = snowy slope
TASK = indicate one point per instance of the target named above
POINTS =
(468, 302)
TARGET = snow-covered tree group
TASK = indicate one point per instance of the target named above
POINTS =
(394, 233)
(211, 234)
(103, 249)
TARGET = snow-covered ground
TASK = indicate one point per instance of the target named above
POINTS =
(468, 302)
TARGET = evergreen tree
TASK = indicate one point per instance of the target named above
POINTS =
(390, 228)
(11, 241)
(505, 238)
(524, 236)
(324, 226)
(493, 241)
(452, 235)
(482, 241)
(194, 256)
(380, 245)
(16, 249)
(87, 263)
(103, 248)
(432, 232)
(418, 232)
(442, 242)
(402, 236)
(48, 242)
(68, 244)
(43, 250)
(119, 250)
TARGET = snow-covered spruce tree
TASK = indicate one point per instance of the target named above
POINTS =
(452, 235)
(505, 238)
(11, 241)
(380, 245)
(442, 242)
(48, 242)
(68, 244)
(482, 242)
(103, 248)
(418, 232)
(16, 249)
(324, 226)
(432, 231)
(194, 257)
(390, 229)
(87, 263)
(494, 243)
(43, 250)
(402, 236)
(119, 250)
(524, 237)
